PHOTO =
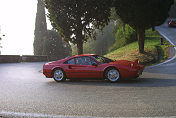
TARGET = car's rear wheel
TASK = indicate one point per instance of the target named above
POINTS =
(59, 75)
(112, 75)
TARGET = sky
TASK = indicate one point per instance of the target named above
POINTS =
(17, 23)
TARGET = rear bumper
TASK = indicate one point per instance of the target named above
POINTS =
(134, 75)
(138, 71)
(171, 25)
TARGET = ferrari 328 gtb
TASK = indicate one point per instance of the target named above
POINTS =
(92, 66)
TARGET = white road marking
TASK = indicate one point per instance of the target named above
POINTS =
(39, 115)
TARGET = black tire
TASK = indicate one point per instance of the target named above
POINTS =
(59, 75)
(112, 75)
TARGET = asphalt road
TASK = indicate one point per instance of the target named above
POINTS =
(24, 91)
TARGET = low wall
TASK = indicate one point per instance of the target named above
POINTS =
(10, 58)
(31, 58)
(23, 58)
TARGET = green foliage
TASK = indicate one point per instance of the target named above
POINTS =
(153, 49)
(54, 47)
(67, 50)
(119, 23)
(149, 34)
(40, 32)
(124, 38)
(142, 14)
(76, 20)
(104, 40)
(172, 11)
(90, 46)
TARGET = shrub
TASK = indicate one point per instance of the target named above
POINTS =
(124, 37)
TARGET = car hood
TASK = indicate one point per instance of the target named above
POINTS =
(52, 62)
(56, 62)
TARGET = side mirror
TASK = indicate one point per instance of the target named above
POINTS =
(94, 64)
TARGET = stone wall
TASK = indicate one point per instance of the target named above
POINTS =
(10, 58)
(23, 58)
(31, 58)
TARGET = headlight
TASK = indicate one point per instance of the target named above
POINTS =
(131, 65)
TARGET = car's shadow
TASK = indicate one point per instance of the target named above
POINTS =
(143, 82)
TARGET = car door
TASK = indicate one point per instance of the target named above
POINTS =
(83, 68)
(69, 71)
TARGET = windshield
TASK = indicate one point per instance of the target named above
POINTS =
(102, 59)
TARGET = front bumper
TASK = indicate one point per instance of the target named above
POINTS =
(47, 73)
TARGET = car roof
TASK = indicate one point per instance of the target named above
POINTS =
(84, 55)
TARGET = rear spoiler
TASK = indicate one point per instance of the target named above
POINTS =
(136, 62)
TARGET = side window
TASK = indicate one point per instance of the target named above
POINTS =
(89, 61)
(71, 61)
(84, 61)
(79, 60)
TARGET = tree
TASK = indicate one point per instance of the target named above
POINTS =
(67, 50)
(119, 23)
(142, 14)
(40, 29)
(105, 39)
(172, 12)
(54, 47)
(76, 20)
(124, 37)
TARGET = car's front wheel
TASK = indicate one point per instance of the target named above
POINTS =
(112, 74)
(59, 75)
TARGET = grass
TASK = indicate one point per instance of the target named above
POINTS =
(154, 52)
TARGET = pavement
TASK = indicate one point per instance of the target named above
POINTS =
(25, 92)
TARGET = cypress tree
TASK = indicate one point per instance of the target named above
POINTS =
(40, 33)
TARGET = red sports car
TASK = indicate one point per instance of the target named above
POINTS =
(92, 66)
(172, 23)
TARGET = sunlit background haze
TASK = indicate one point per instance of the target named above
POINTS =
(17, 23)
